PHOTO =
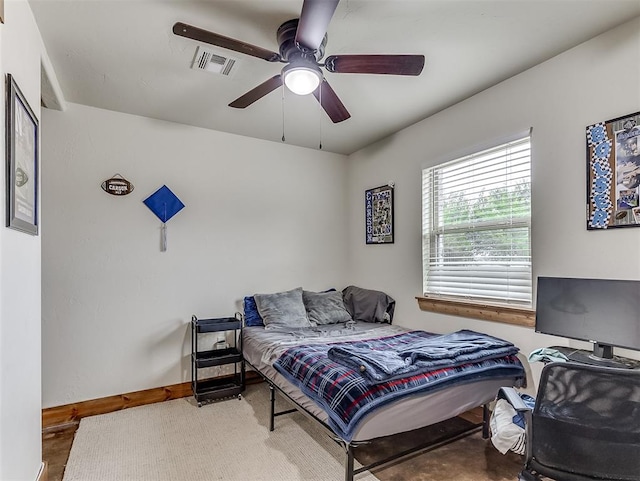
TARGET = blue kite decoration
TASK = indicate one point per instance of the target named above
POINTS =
(164, 204)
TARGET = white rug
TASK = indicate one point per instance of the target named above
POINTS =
(228, 440)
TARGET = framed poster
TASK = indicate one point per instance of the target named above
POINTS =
(613, 173)
(22, 161)
(378, 207)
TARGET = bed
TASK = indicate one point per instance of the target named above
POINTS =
(312, 365)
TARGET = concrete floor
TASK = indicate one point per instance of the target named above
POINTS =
(56, 445)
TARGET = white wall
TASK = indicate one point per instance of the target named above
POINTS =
(20, 415)
(596, 81)
(259, 217)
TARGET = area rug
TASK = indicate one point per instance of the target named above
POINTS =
(227, 440)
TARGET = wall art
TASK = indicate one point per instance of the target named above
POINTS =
(22, 161)
(613, 173)
(164, 204)
(378, 207)
(117, 185)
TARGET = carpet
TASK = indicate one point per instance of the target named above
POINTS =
(230, 440)
(227, 440)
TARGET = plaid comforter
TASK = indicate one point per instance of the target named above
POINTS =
(347, 396)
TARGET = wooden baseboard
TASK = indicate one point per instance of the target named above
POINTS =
(72, 413)
(43, 475)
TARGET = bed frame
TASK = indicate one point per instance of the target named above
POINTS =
(349, 447)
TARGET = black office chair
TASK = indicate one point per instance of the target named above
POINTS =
(585, 425)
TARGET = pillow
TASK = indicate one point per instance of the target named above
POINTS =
(368, 305)
(282, 309)
(325, 307)
(251, 314)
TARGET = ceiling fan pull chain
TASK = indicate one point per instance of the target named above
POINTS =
(283, 111)
(320, 115)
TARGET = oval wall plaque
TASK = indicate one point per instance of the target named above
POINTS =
(117, 185)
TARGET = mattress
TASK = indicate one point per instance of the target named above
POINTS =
(261, 347)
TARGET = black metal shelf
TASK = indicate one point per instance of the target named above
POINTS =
(216, 357)
(220, 387)
(217, 324)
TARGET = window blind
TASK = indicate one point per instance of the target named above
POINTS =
(476, 221)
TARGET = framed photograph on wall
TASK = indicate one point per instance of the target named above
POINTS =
(378, 207)
(22, 161)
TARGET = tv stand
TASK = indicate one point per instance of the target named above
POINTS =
(587, 357)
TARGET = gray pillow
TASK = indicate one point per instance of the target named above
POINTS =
(368, 305)
(282, 309)
(325, 307)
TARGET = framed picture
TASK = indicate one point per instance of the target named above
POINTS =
(22, 161)
(378, 207)
(613, 173)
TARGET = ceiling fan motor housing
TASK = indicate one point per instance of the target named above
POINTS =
(289, 50)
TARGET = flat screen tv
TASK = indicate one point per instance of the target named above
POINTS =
(602, 311)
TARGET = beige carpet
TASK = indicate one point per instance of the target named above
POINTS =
(228, 440)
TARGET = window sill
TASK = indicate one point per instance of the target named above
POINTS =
(487, 312)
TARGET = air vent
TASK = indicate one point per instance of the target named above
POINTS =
(213, 62)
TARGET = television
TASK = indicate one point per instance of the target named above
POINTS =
(604, 312)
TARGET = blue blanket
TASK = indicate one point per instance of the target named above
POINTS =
(382, 362)
(347, 396)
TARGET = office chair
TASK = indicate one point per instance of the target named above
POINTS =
(585, 425)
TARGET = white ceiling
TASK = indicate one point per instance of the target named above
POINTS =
(122, 55)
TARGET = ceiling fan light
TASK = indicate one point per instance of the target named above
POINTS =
(301, 79)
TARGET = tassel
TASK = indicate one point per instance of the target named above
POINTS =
(163, 237)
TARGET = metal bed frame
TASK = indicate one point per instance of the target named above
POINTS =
(349, 447)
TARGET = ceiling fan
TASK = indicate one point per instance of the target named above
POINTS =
(302, 42)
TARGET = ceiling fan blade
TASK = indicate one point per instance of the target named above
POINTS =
(257, 93)
(195, 33)
(376, 64)
(330, 102)
(314, 21)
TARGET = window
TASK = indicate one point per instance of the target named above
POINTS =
(476, 226)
